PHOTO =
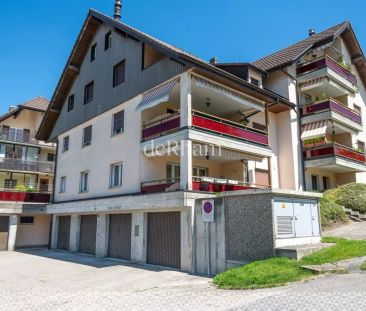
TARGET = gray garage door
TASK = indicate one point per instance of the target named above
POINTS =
(163, 239)
(88, 231)
(4, 229)
(63, 234)
(119, 245)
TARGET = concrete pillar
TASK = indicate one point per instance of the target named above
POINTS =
(186, 165)
(186, 242)
(12, 235)
(101, 247)
(74, 233)
(186, 100)
(54, 232)
(139, 237)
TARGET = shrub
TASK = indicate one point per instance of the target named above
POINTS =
(351, 196)
(331, 213)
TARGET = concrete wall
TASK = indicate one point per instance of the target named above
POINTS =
(36, 234)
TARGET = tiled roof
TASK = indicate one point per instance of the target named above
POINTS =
(38, 103)
(292, 53)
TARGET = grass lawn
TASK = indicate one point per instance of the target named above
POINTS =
(281, 271)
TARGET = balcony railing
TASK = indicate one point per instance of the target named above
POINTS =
(161, 185)
(328, 62)
(32, 193)
(334, 149)
(332, 105)
(28, 166)
(162, 126)
(224, 127)
(19, 136)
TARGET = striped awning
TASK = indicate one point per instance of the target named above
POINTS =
(246, 101)
(314, 130)
(157, 95)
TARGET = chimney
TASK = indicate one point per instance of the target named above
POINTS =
(117, 10)
(311, 32)
(214, 60)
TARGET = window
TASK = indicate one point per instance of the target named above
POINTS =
(70, 102)
(93, 52)
(254, 81)
(63, 184)
(116, 175)
(119, 73)
(326, 183)
(50, 157)
(200, 172)
(361, 146)
(107, 40)
(84, 181)
(172, 172)
(65, 146)
(26, 220)
(357, 109)
(10, 183)
(89, 93)
(314, 182)
(308, 98)
(118, 122)
(87, 136)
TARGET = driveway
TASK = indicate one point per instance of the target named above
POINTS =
(352, 230)
(48, 280)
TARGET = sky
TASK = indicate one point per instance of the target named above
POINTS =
(37, 36)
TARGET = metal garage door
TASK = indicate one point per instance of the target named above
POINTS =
(4, 229)
(163, 239)
(119, 245)
(63, 234)
(88, 232)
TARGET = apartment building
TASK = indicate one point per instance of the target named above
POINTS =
(26, 177)
(325, 76)
(147, 133)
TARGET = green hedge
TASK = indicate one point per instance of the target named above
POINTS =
(351, 196)
(331, 213)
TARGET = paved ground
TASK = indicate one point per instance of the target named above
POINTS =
(353, 230)
(46, 280)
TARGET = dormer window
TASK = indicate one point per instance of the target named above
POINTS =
(254, 81)
(107, 40)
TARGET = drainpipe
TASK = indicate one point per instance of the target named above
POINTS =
(297, 110)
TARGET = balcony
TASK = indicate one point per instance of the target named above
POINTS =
(11, 164)
(204, 184)
(326, 66)
(335, 157)
(330, 109)
(167, 124)
(20, 136)
(30, 193)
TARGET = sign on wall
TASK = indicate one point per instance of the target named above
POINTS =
(208, 210)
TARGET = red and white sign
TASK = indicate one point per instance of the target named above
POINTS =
(208, 210)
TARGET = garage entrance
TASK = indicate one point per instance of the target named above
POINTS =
(4, 232)
(119, 245)
(88, 232)
(163, 239)
(63, 234)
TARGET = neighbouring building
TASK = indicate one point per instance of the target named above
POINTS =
(151, 139)
(26, 177)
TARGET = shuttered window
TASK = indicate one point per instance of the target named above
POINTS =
(119, 73)
(118, 122)
(87, 136)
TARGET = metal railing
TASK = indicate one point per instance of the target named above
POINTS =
(20, 136)
(13, 186)
(28, 166)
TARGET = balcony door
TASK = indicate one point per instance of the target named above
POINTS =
(173, 172)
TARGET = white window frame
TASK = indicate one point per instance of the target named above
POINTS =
(112, 175)
(63, 144)
(62, 184)
(84, 189)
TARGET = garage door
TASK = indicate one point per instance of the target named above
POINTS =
(4, 228)
(163, 239)
(63, 234)
(119, 245)
(88, 231)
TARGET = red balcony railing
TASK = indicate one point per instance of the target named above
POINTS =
(323, 62)
(161, 185)
(332, 105)
(328, 150)
(220, 126)
(208, 184)
(30, 197)
(161, 127)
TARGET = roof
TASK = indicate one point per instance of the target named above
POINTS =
(90, 27)
(37, 104)
(291, 54)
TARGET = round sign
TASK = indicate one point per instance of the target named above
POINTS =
(207, 207)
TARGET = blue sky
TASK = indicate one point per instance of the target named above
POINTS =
(37, 36)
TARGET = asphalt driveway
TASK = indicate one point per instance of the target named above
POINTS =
(48, 280)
